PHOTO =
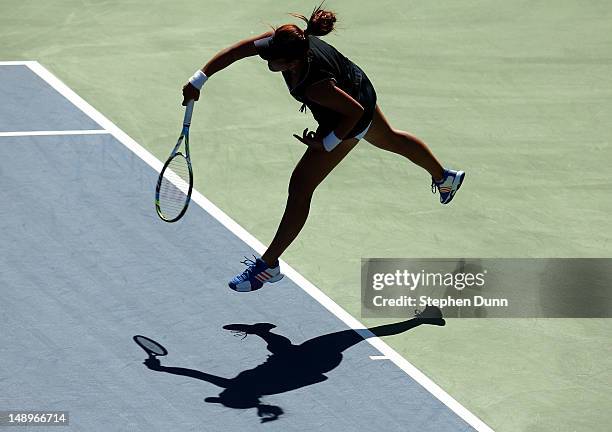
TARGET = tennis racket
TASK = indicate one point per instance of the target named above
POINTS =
(152, 348)
(175, 182)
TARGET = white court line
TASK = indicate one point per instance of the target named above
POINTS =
(51, 133)
(382, 357)
(14, 63)
(250, 240)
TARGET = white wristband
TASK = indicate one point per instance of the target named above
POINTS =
(331, 141)
(263, 43)
(198, 79)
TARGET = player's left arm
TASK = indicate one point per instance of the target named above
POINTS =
(329, 95)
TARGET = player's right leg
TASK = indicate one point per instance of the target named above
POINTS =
(383, 136)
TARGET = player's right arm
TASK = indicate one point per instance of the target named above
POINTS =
(221, 60)
(224, 58)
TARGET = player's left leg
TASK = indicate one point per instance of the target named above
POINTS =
(310, 171)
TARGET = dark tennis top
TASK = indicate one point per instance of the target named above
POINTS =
(326, 62)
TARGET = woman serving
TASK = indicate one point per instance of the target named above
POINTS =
(342, 101)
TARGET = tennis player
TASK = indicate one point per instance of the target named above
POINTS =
(342, 101)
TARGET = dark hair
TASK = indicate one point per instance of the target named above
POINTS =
(291, 42)
(320, 23)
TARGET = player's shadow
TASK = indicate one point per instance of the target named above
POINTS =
(289, 366)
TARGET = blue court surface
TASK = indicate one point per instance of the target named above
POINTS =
(87, 264)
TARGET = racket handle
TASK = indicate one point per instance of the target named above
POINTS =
(188, 113)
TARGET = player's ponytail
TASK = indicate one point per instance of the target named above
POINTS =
(291, 42)
(320, 23)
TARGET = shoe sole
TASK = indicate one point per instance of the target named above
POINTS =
(457, 182)
(271, 280)
(275, 278)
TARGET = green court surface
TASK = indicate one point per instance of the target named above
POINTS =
(517, 94)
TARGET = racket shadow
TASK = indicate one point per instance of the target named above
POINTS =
(288, 367)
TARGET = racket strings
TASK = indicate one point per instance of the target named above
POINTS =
(174, 187)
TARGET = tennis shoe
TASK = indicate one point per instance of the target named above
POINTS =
(448, 186)
(255, 276)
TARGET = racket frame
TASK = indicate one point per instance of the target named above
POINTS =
(183, 138)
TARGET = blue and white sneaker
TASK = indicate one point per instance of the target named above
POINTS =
(448, 186)
(255, 276)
